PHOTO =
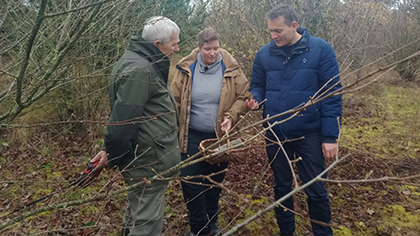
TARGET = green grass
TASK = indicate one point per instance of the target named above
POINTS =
(390, 130)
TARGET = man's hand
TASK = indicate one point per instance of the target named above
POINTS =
(97, 164)
(251, 104)
(226, 125)
(103, 160)
(330, 150)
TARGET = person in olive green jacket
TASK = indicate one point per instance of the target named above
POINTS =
(210, 90)
(141, 137)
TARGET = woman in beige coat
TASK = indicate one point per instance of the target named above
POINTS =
(210, 90)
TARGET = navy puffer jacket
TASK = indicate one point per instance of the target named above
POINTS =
(287, 81)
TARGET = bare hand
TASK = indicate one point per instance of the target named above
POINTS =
(251, 104)
(226, 125)
(102, 158)
(330, 150)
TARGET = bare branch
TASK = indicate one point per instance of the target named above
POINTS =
(285, 154)
(77, 9)
(383, 179)
(311, 220)
(28, 51)
(3, 17)
(277, 203)
(34, 95)
(71, 203)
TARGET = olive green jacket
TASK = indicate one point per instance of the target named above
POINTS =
(141, 136)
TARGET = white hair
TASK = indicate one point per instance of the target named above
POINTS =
(160, 28)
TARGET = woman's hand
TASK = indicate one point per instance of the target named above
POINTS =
(226, 125)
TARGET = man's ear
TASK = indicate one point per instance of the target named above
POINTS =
(156, 42)
(294, 24)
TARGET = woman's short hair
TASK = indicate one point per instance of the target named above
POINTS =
(208, 35)
(160, 28)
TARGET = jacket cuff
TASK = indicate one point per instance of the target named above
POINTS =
(329, 139)
(260, 106)
(229, 116)
(103, 148)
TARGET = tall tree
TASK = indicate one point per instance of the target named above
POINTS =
(403, 37)
(69, 47)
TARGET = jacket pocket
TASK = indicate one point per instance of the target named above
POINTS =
(167, 152)
(165, 140)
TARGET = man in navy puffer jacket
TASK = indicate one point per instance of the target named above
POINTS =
(287, 72)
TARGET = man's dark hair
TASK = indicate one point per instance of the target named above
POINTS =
(208, 35)
(284, 10)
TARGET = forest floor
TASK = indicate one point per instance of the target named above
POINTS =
(381, 130)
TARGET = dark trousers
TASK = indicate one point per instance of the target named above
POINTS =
(202, 200)
(312, 164)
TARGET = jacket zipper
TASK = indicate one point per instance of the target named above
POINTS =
(293, 53)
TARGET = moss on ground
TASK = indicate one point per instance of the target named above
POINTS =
(388, 130)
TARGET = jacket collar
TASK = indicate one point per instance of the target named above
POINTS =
(229, 62)
(151, 53)
(274, 50)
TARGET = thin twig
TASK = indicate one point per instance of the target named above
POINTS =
(286, 156)
(277, 203)
(76, 9)
(311, 220)
(386, 178)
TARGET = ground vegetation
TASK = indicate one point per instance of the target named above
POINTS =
(55, 60)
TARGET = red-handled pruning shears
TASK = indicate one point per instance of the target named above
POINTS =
(89, 174)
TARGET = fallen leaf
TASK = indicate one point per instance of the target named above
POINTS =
(266, 231)
(406, 192)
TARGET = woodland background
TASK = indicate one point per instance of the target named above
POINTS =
(55, 60)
